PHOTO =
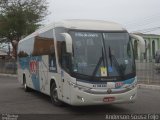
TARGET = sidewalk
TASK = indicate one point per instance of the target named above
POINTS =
(8, 75)
(143, 86)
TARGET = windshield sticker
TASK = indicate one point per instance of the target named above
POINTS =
(103, 71)
(110, 69)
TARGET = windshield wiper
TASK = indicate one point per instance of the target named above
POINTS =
(99, 63)
(119, 67)
(110, 55)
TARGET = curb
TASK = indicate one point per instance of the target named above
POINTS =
(8, 75)
(144, 86)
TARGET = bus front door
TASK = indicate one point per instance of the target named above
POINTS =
(65, 86)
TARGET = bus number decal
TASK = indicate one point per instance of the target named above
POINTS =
(33, 66)
(119, 84)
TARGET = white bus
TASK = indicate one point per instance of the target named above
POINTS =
(79, 62)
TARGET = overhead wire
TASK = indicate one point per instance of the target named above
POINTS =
(147, 29)
(146, 23)
(142, 20)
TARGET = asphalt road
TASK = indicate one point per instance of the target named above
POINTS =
(13, 100)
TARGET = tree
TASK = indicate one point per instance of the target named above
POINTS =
(19, 18)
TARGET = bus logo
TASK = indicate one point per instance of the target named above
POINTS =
(109, 91)
(33, 66)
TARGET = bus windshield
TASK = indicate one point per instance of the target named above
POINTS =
(102, 54)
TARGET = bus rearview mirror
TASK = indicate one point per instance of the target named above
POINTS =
(141, 42)
(68, 41)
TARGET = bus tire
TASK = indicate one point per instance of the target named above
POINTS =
(54, 95)
(26, 88)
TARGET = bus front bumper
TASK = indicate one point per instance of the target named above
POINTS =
(80, 97)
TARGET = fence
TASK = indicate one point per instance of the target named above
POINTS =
(148, 72)
(8, 66)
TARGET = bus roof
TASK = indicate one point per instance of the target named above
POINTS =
(98, 25)
(89, 25)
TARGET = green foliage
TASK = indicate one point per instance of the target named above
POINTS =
(20, 17)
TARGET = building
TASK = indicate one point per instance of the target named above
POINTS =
(152, 44)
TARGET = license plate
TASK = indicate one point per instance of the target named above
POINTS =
(108, 99)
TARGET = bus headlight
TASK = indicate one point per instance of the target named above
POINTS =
(82, 88)
(72, 84)
(133, 85)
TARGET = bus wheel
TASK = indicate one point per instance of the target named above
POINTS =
(54, 95)
(26, 88)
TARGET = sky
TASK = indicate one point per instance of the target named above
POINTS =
(134, 15)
